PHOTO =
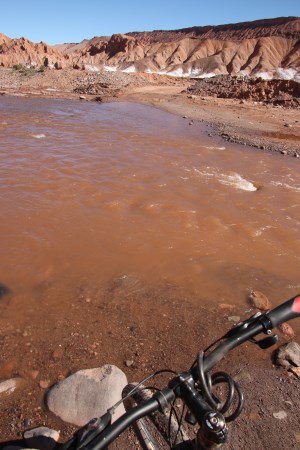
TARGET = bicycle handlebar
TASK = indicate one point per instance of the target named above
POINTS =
(246, 330)
(261, 322)
(286, 311)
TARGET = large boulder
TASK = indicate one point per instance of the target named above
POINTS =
(87, 394)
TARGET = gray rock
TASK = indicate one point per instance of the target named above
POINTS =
(42, 438)
(289, 355)
(87, 394)
(4, 290)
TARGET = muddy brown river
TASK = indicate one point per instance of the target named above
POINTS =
(102, 191)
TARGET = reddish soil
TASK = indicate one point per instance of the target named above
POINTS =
(158, 327)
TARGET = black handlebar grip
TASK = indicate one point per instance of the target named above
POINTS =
(286, 311)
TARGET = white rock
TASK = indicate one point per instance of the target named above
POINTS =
(280, 415)
(9, 386)
(87, 394)
(42, 438)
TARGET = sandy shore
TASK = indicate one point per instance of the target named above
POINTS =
(270, 128)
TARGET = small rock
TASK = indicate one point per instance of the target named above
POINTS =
(288, 125)
(58, 353)
(235, 319)
(9, 386)
(287, 331)
(26, 422)
(87, 394)
(42, 438)
(82, 97)
(58, 65)
(296, 371)
(289, 355)
(184, 117)
(129, 362)
(44, 384)
(4, 290)
(280, 415)
(283, 152)
(259, 300)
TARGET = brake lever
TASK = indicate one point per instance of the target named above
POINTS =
(91, 430)
(243, 325)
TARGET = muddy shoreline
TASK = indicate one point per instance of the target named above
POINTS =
(261, 126)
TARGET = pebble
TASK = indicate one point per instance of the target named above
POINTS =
(9, 386)
(87, 394)
(287, 331)
(296, 371)
(129, 362)
(289, 354)
(4, 290)
(58, 353)
(41, 438)
(235, 319)
(44, 384)
(280, 415)
(259, 300)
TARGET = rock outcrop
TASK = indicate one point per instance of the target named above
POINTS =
(22, 51)
(267, 48)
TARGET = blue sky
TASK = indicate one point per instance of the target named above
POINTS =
(59, 21)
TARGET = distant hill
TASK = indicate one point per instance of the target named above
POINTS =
(267, 48)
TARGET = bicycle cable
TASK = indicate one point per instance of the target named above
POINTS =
(112, 409)
(206, 383)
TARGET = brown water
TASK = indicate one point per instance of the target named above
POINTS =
(98, 191)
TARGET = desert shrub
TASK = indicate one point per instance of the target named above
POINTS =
(18, 67)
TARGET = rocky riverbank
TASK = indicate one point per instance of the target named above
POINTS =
(251, 120)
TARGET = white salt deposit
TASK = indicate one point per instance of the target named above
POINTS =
(91, 68)
(110, 68)
(130, 69)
